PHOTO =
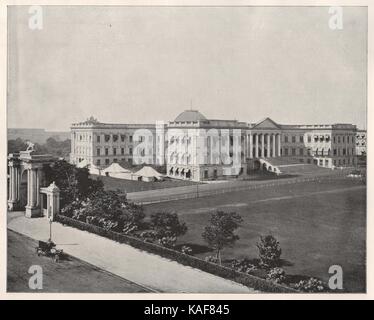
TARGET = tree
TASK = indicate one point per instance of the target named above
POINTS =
(269, 251)
(220, 232)
(167, 227)
(17, 145)
(74, 183)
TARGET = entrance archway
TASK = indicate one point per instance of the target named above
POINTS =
(26, 177)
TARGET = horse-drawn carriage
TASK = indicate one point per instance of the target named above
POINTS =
(48, 249)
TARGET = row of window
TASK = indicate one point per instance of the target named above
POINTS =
(122, 138)
(114, 138)
(321, 137)
(114, 151)
(107, 161)
(317, 152)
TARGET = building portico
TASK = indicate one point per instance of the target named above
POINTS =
(26, 177)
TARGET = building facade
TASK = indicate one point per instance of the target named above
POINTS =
(196, 148)
(361, 142)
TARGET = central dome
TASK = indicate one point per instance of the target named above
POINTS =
(190, 115)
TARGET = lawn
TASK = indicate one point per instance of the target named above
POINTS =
(318, 224)
(127, 186)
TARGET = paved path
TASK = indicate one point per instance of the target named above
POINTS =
(146, 269)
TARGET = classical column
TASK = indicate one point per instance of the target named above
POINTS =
(256, 146)
(250, 146)
(262, 145)
(17, 180)
(268, 146)
(279, 144)
(274, 155)
(37, 176)
(33, 187)
(29, 186)
(11, 183)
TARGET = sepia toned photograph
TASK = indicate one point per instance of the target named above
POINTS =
(186, 149)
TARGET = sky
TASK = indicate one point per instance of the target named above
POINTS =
(140, 65)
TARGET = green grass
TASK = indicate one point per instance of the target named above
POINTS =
(127, 186)
(318, 224)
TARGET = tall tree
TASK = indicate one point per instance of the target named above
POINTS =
(220, 232)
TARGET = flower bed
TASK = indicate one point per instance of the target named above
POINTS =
(185, 259)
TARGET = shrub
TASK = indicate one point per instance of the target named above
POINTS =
(276, 275)
(269, 251)
(212, 259)
(129, 227)
(168, 241)
(244, 266)
(186, 250)
(311, 285)
(167, 224)
(148, 236)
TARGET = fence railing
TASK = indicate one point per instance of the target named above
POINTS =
(198, 191)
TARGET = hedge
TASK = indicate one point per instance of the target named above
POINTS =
(187, 260)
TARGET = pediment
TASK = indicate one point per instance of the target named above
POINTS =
(267, 124)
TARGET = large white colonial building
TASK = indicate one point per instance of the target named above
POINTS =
(194, 147)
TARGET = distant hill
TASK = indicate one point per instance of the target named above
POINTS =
(36, 135)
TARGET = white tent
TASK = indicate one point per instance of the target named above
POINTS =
(84, 163)
(116, 171)
(94, 170)
(148, 174)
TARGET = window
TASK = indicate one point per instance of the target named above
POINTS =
(326, 163)
(293, 139)
(309, 138)
(98, 139)
(107, 137)
(344, 151)
(285, 138)
(293, 151)
(286, 151)
(301, 151)
(320, 162)
(123, 137)
(115, 160)
(106, 161)
(115, 137)
(80, 137)
(206, 174)
(98, 151)
(343, 139)
(130, 139)
(122, 151)
(334, 139)
(302, 139)
(106, 151)
(98, 162)
(338, 139)
(130, 151)
(114, 151)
